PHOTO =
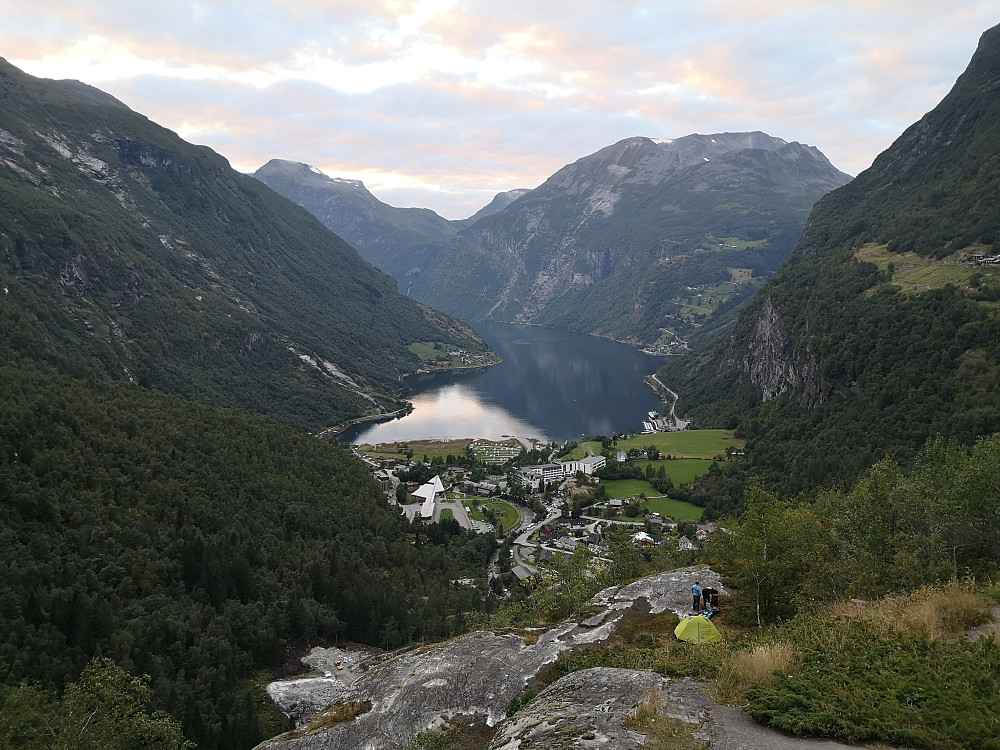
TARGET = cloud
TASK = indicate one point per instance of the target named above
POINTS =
(442, 103)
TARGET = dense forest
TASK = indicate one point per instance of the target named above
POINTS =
(191, 544)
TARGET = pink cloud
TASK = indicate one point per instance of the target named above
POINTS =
(490, 96)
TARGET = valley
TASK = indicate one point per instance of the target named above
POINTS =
(647, 241)
(495, 553)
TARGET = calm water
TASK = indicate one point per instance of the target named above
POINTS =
(552, 385)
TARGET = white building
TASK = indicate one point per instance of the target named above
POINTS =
(587, 465)
(431, 494)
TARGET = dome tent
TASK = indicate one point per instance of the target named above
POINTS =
(697, 630)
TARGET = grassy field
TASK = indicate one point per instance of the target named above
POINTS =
(505, 512)
(676, 509)
(655, 502)
(447, 513)
(686, 443)
(914, 273)
(627, 488)
(589, 448)
(680, 470)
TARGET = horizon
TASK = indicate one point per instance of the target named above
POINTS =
(443, 104)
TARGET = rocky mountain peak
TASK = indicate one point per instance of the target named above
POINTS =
(654, 161)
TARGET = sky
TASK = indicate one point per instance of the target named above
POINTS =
(442, 104)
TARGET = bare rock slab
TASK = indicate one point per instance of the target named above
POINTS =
(585, 709)
(473, 676)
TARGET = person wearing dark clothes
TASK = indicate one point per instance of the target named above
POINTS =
(710, 596)
(696, 596)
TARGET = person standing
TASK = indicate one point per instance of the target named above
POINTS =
(696, 596)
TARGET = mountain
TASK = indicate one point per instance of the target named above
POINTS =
(880, 331)
(399, 241)
(499, 203)
(642, 236)
(129, 253)
(402, 242)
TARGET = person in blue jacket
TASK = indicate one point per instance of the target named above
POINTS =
(696, 595)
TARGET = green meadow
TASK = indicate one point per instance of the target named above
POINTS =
(681, 470)
(686, 443)
(655, 502)
(505, 512)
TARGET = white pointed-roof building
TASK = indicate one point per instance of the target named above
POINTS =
(431, 494)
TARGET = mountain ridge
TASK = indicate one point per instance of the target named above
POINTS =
(609, 244)
(598, 232)
(131, 253)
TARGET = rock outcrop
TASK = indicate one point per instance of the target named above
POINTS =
(471, 677)
(587, 709)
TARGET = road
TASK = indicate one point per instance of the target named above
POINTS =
(681, 424)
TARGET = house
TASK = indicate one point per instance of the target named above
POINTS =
(686, 544)
(385, 479)
(521, 571)
(642, 539)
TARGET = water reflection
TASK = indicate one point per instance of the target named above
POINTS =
(551, 385)
(450, 412)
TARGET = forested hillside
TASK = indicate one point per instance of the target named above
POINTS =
(191, 543)
(880, 331)
(126, 252)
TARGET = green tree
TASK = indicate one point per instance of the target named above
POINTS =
(574, 586)
(104, 710)
(773, 548)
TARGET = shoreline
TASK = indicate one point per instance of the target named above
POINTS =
(332, 433)
(455, 370)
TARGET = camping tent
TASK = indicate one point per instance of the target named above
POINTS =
(697, 630)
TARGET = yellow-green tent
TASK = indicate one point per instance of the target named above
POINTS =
(697, 630)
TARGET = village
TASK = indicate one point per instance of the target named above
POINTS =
(547, 509)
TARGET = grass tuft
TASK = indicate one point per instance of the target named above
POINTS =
(942, 612)
(662, 732)
(758, 666)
